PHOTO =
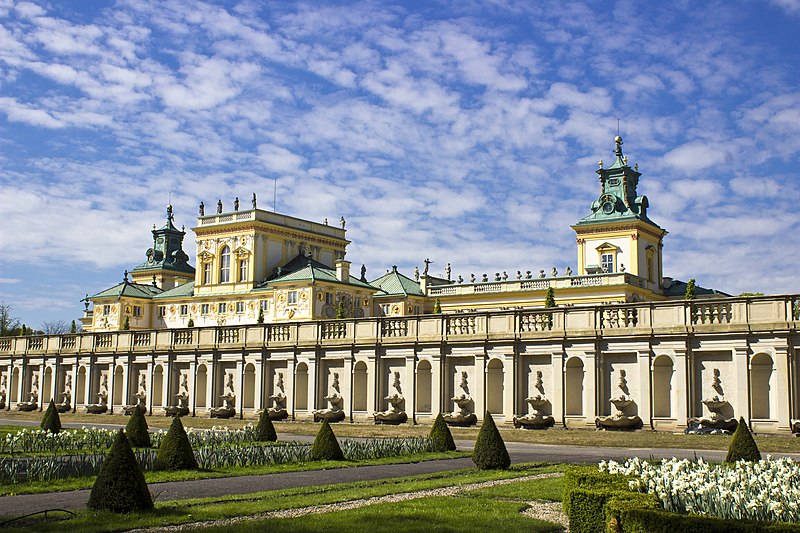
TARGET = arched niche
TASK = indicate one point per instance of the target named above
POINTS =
(201, 382)
(424, 373)
(158, 386)
(360, 386)
(761, 386)
(249, 392)
(301, 387)
(119, 375)
(15, 385)
(662, 386)
(573, 389)
(494, 387)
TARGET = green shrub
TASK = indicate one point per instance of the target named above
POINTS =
(618, 506)
(326, 447)
(490, 451)
(120, 486)
(743, 445)
(589, 477)
(550, 298)
(265, 431)
(691, 290)
(658, 521)
(441, 437)
(136, 430)
(51, 421)
(437, 306)
(175, 452)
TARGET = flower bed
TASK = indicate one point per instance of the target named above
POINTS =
(766, 490)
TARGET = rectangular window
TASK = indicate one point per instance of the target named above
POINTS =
(607, 263)
(207, 274)
(225, 265)
(184, 309)
(222, 308)
(385, 309)
(356, 302)
(239, 308)
(650, 275)
(162, 311)
(106, 310)
(264, 305)
(292, 298)
(242, 270)
(329, 298)
(416, 309)
(137, 310)
(204, 309)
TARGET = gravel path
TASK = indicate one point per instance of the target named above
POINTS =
(550, 511)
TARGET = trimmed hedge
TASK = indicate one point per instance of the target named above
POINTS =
(51, 421)
(265, 431)
(743, 445)
(175, 452)
(120, 486)
(490, 451)
(136, 429)
(588, 477)
(658, 521)
(441, 437)
(326, 447)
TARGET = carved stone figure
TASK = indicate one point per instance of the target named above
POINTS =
(462, 416)
(568, 271)
(554, 272)
(416, 273)
(394, 414)
(447, 271)
(342, 222)
(621, 419)
(542, 274)
(236, 204)
(460, 279)
(254, 201)
(278, 410)
(427, 266)
(334, 413)
(472, 278)
(202, 208)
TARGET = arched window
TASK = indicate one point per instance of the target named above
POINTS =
(225, 265)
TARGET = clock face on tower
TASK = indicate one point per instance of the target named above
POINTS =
(608, 208)
(607, 202)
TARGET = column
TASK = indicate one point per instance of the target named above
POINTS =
(193, 384)
(373, 398)
(240, 392)
(290, 386)
(557, 395)
(87, 400)
(410, 387)
(478, 388)
(590, 402)
(150, 368)
(741, 370)
(781, 394)
(112, 388)
(681, 389)
(347, 385)
(645, 400)
(126, 383)
(258, 400)
(509, 386)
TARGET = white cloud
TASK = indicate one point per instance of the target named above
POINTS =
(695, 156)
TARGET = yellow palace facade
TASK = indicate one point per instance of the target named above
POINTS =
(273, 316)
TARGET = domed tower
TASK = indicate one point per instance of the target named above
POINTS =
(167, 264)
(617, 236)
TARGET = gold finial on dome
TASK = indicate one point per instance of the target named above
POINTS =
(600, 163)
(618, 139)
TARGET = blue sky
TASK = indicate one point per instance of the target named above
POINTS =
(467, 132)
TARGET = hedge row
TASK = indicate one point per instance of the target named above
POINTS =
(598, 502)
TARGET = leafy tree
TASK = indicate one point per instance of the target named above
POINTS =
(743, 445)
(126, 325)
(490, 451)
(120, 486)
(260, 318)
(73, 328)
(340, 310)
(326, 447)
(691, 290)
(265, 431)
(437, 306)
(441, 437)
(9, 324)
(550, 298)
(51, 421)
(136, 430)
(175, 452)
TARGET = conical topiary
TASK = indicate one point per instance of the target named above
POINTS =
(490, 451)
(136, 430)
(175, 452)
(441, 437)
(51, 421)
(120, 486)
(743, 445)
(326, 447)
(265, 431)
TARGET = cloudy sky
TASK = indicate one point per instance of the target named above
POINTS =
(463, 131)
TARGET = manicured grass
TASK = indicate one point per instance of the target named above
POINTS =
(185, 475)
(186, 511)
(545, 489)
(576, 437)
(454, 514)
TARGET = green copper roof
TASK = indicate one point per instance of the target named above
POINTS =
(394, 283)
(181, 291)
(129, 289)
(312, 271)
(618, 199)
(167, 251)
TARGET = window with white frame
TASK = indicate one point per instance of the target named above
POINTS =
(607, 263)
(137, 310)
(225, 265)
(264, 304)
(204, 309)
(329, 298)
(291, 298)
(184, 309)
(239, 308)
(106, 310)
(385, 309)
(162, 311)
(243, 270)
(207, 274)
(222, 308)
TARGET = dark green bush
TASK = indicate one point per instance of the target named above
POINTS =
(51, 421)
(175, 452)
(136, 430)
(623, 502)
(441, 437)
(265, 431)
(490, 451)
(326, 447)
(120, 486)
(589, 477)
(658, 521)
(743, 445)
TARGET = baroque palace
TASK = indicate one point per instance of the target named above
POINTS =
(273, 318)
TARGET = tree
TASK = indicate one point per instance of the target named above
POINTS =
(73, 328)
(265, 431)
(56, 327)
(51, 421)
(550, 298)
(260, 319)
(190, 324)
(691, 290)
(441, 437)
(743, 445)
(126, 325)
(340, 310)
(437, 306)
(326, 447)
(136, 430)
(120, 486)
(9, 324)
(490, 451)
(175, 452)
